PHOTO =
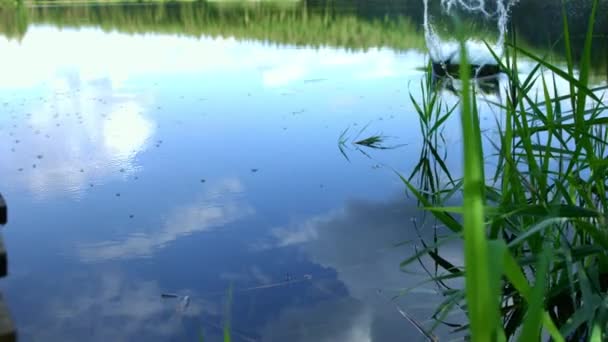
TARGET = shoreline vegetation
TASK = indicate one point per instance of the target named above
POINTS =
(534, 226)
(349, 24)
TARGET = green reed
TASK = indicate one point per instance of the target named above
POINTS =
(534, 231)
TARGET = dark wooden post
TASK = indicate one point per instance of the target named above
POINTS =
(8, 333)
(3, 211)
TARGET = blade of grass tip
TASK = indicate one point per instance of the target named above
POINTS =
(532, 324)
(343, 152)
(417, 107)
(496, 249)
(598, 331)
(578, 318)
(424, 251)
(537, 228)
(567, 44)
(515, 275)
(428, 334)
(550, 119)
(342, 138)
(361, 131)
(569, 269)
(507, 146)
(591, 302)
(441, 120)
(431, 280)
(587, 292)
(446, 308)
(585, 63)
(453, 300)
(526, 140)
(555, 69)
(227, 322)
(440, 161)
(449, 221)
(584, 68)
(480, 304)
(227, 333)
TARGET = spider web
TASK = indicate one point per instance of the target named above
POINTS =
(470, 6)
(441, 50)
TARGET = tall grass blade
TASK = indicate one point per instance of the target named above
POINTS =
(481, 305)
(536, 304)
(515, 275)
(226, 330)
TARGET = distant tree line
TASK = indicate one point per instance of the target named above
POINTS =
(351, 24)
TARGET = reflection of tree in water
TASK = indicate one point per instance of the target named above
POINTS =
(297, 24)
(354, 24)
(485, 85)
(540, 24)
(13, 21)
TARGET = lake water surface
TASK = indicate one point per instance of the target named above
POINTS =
(202, 157)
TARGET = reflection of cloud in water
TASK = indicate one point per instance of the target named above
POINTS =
(339, 320)
(295, 65)
(208, 214)
(260, 276)
(73, 138)
(126, 131)
(283, 75)
(358, 243)
(157, 54)
(106, 307)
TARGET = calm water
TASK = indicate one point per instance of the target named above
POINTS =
(188, 160)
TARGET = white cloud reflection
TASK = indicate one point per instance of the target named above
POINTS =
(106, 306)
(126, 131)
(74, 136)
(339, 320)
(162, 54)
(210, 213)
(357, 242)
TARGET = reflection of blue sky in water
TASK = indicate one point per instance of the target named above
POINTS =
(95, 95)
(331, 306)
(172, 129)
(106, 307)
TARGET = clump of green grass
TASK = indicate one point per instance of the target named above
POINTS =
(535, 230)
(375, 141)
